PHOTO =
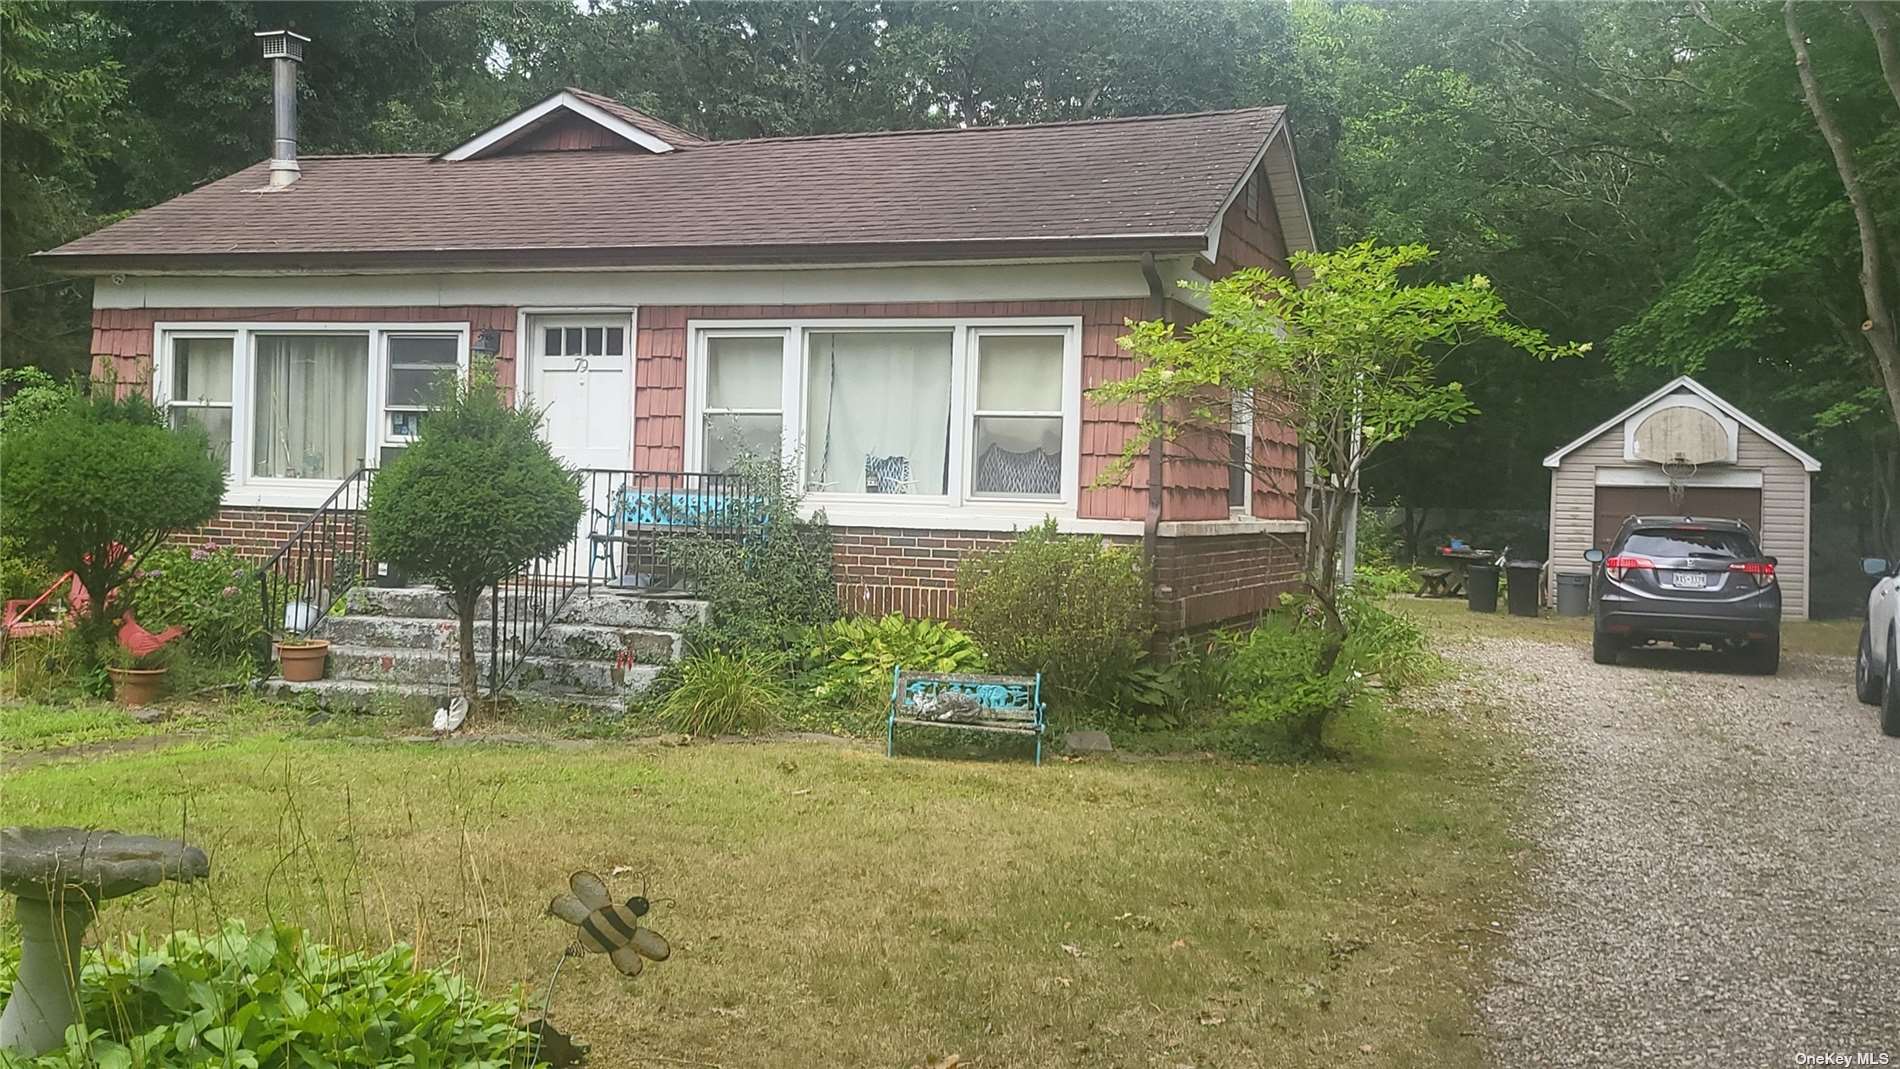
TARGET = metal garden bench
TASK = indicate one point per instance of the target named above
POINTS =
(1008, 704)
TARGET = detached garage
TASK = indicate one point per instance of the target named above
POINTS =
(1683, 451)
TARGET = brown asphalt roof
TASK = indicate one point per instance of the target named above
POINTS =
(1152, 183)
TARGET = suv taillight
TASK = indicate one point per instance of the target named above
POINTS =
(1760, 570)
(1619, 566)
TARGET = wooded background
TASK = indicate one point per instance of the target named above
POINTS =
(1642, 176)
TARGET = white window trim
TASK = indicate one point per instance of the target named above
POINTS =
(1242, 420)
(244, 489)
(959, 507)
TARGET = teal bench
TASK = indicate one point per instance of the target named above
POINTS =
(1007, 704)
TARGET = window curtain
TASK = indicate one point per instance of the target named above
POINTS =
(875, 396)
(311, 405)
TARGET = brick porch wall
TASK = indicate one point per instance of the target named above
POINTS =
(254, 533)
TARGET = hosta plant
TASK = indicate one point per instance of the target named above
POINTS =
(855, 656)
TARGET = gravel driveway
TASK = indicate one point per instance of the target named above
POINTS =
(1716, 872)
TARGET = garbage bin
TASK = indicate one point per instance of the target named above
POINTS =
(1481, 588)
(1525, 578)
(1573, 593)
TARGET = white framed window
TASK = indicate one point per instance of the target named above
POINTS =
(297, 407)
(196, 369)
(1016, 422)
(414, 368)
(892, 420)
(1240, 454)
(744, 390)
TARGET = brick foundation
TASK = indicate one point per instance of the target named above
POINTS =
(1204, 581)
(254, 533)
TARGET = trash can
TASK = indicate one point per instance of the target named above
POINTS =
(1525, 578)
(1573, 593)
(1481, 588)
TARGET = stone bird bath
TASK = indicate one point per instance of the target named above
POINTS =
(58, 877)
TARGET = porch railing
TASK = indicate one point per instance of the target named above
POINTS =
(310, 573)
(631, 518)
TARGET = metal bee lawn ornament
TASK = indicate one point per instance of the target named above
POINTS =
(607, 927)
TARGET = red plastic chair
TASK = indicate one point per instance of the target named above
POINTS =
(140, 643)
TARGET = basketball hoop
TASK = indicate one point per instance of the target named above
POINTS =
(1678, 472)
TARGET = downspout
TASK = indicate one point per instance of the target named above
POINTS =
(1157, 449)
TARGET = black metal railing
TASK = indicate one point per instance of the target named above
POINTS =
(635, 517)
(631, 520)
(304, 581)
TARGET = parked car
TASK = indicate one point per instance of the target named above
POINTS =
(1877, 667)
(1689, 582)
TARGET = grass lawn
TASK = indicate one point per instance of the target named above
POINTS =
(828, 906)
(1448, 618)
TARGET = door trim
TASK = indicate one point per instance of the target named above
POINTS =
(1743, 478)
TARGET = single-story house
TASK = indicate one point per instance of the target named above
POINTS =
(914, 317)
(1684, 451)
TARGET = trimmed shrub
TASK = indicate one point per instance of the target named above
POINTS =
(96, 473)
(725, 693)
(1273, 682)
(210, 592)
(768, 588)
(272, 999)
(853, 658)
(1070, 607)
(478, 495)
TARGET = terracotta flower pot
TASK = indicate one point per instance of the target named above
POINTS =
(136, 686)
(303, 662)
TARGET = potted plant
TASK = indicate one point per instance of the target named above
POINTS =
(137, 678)
(301, 658)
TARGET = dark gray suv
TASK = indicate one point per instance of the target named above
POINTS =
(1690, 582)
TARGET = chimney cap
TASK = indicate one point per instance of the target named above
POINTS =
(286, 43)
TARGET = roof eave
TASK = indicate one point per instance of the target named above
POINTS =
(1808, 461)
(504, 259)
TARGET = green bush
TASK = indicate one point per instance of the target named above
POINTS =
(210, 591)
(1070, 607)
(1382, 580)
(768, 588)
(272, 999)
(478, 495)
(23, 574)
(95, 473)
(853, 658)
(1382, 643)
(1273, 682)
(32, 395)
(720, 692)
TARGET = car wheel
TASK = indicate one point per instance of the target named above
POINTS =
(1866, 683)
(1890, 699)
(1603, 647)
(1764, 655)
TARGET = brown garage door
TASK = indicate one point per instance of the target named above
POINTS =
(1618, 503)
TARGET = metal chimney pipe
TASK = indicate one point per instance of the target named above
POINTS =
(284, 49)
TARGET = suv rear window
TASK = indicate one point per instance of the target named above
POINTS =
(1679, 543)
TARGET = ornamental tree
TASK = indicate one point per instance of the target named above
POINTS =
(95, 483)
(476, 497)
(1349, 360)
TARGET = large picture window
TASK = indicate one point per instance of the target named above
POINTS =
(310, 403)
(895, 416)
(877, 411)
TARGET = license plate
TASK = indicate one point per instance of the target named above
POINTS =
(1692, 580)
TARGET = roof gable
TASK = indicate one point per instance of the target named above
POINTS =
(616, 123)
(1685, 383)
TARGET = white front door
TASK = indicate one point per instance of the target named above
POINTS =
(582, 380)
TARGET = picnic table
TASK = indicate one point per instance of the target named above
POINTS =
(1448, 580)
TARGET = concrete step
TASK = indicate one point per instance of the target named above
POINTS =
(539, 673)
(356, 695)
(577, 641)
(600, 606)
